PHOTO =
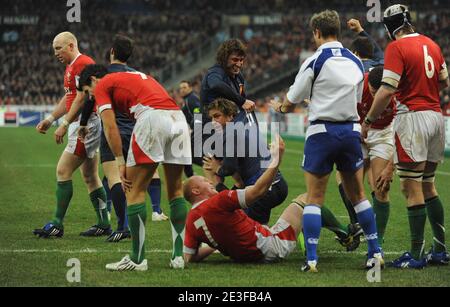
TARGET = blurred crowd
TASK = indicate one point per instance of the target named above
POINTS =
(166, 30)
(30, 74)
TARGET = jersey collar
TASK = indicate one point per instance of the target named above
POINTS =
(78, 55)
(410, 35)
(198, 204)
(335, 44)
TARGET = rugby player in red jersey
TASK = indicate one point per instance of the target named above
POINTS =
(378, 149)
(160, 135)
(218, 220)
(76, 154)
(415, 72)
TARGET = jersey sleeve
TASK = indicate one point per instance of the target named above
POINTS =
(393, 66)
(191, 244)
(230, 200)
(301, 89)
(102, 96)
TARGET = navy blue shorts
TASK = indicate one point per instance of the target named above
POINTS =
(330, 143)
(106, 154)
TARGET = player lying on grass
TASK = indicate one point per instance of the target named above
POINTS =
(218, 220)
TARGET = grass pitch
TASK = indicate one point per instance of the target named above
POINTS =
(27, 190)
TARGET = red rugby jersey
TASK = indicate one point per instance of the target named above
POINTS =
(385, 118)
(414, 65)
(220, 223)
(131, 93)
(71, 76)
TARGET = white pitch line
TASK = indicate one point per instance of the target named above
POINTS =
(336, 252)
(29, 165)
(81, 251)
(151, 251)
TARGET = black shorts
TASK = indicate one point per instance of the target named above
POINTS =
(106, 154)
(261, 209)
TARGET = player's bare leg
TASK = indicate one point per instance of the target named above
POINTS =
(140, 176)
(67, 164)
(435, 212)
(178, 211)
(411, 176)
(97, 194)
(293, 214)
(380, 197)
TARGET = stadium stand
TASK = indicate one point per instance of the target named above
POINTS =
(167, 30)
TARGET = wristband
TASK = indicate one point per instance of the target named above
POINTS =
(65, 123)
(120, 160)
(50, 118)
(368, 120)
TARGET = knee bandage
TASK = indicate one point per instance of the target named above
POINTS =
(406, 174)
(429, 177)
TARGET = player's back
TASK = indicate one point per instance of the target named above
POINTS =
(220, 223)
(134, 92)
(417, 60)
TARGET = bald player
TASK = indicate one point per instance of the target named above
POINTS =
(76, 154)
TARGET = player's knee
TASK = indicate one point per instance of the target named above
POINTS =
(90, 179)
(382, 196)
(135, 196)
(405, 191)
(63, 173)
(429, 189)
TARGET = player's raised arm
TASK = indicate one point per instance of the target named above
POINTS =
(59, 111)
(264, 182)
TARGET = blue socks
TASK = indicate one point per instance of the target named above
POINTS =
(154, 190)
(120, 206)
(366, 218)
(312, 224)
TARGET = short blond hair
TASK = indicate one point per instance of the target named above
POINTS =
(327, 22)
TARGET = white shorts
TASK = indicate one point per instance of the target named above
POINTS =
(379, 144)
(419, 137)
(279, 243)
(160, 136)
(91, 144)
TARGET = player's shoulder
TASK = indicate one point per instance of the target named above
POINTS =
(84, 60)
(223, 196)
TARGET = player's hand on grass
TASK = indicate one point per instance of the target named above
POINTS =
(60, 133)
(249, 106)
(354, 25)
(43, 126)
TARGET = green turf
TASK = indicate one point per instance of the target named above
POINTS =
(27, 189)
